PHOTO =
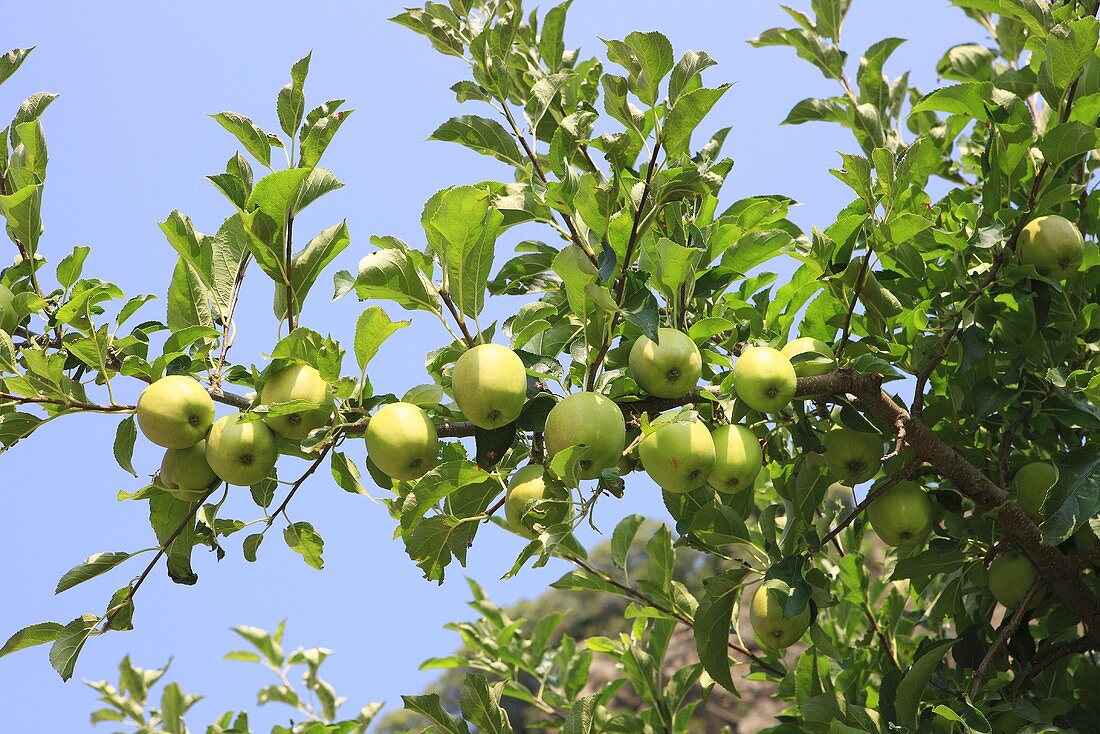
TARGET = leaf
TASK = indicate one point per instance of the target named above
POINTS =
(830, 17)
(492, 444)
(487, 137)
(317, 135)
(70, 267)
(371, 330)
(308, 264)
(301, 538)
(712, 624)
(167, 515)
(910, 691)
(11, 61)
(188, 300)
(346, 474)
(580, 719)
(70, 641)
(551, 43)
(1067, 141)
(817, 110)
(291, 104)
(35, 634)
(647, 57)
(1069, 47)
(254, 140)
(622, 539)
(756, 248)
(462, 226)
(687, 69)
(927, 564)
(1075, 497)
(23, 210)
(125, 436)
(682, 119)
(391, 274)
(828, 59)
(430, 707)
(93, 566)
(480, 704)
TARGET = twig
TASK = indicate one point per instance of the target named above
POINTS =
(281, 509)
(1007, 630)
(234, 296)
(908, 472)
(861, 279)
(290, 316)
(1006, 444)
(457, 315)
(1056, 653)
(899, 444)
(73, 404)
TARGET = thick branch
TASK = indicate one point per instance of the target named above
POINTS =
(71, 404)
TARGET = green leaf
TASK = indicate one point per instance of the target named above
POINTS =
(254, 140)
(711, 626)
(1068, 48)
(167, 515)
(828, 59)
(686, 71)
(251, 545)
(487, 137)
(830, 17)
(818, 110)
(1067, 141)
(93, 566)
(70, 267)
(622, 539)
(346, 474)
(317, 135)
(69, 642)
(647, 57)
(188, 299)
(581, 717)
(291, 103)
(480, 704)
(911, 689)
(967, 62)
(682, 119)
(307, 265)
(125, 436)
(229, 251)
(11, 61)
(927, 564)
(23, 210)
(430, 707)
(371, 330)
(873, 87)
(308, 347)
(462, 227)
(277, 193)
(1075, 497)
(392, 275)
(551, 36)
(301, 538)
(36, 634)
(756, 248)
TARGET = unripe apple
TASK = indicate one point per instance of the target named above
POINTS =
(771, 629)
(1053, 244)
(402, 441)
(175, 412)
(667, 368)
(1032, 484)
(853, 457)
(591, 420)
(490, 385)
(528, 504)
(678, 456)
(839, 494)
(1010, 576)
(737, 459)
(902, 516)
(7, 311)
(824, 362)
(186, 474)
(297, 382)
(764, 379)
(241, 452)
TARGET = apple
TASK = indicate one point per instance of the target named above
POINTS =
(241, 452)
(401, 441)
(770, 627)
(1010, 576)
(1032, 483)
(524, 507)
(591, 420)
(297, 382)
(186, 473)
(823, 362)
(764, 379)
(667, 368)
(737, 459)
(7, 312)
(490, 385)
(678, 456)
(1053, 244)
(902, 516)
(175, 412)
(839, 494)
(853, 457)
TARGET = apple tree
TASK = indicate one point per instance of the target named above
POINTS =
(939, 340)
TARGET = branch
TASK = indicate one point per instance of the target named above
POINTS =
(861, 280)
(1007, 630)
(457, 315)
(73, 404)
(1056, 653)
(298, 483)
(290, 316)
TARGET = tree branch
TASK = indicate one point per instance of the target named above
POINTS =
(72, 404)
(1008, 628)
(457, 315)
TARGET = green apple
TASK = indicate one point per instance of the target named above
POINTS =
(490, 385)
(737, 459)
(241, 452)
(1053, 244)
(175, 412)
(1032, 483)
(678, 456)
(771, 629)
(902, 516)
(764, 379)
(591, 420)
(1010, 576)
(853, 457)
(402, 441)
(186, 473)
(7, 312)
(823, 362)
(297, 382)
(839, 494)
(667, 368)
(525, 507)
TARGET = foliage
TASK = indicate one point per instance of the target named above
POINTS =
(1003, 360)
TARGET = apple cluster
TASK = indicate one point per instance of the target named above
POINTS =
(176, 412)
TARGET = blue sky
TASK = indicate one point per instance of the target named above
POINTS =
(129, 141)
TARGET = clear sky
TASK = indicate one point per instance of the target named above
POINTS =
(129, 141)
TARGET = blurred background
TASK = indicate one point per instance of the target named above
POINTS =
(130, 140)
